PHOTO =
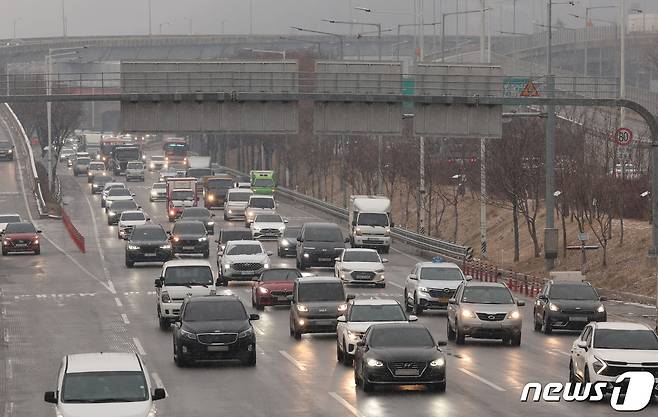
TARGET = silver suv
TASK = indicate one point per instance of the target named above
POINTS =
(485, 310)
(135, 170)
(431, 284)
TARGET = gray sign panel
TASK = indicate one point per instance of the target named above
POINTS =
(458, 121)
(357, 118)
(358, 77)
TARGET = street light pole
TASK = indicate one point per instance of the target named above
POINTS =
(150, 20)
(49, 68)
(340, 37)
(622, 64)
(443, 26)
(14, 23)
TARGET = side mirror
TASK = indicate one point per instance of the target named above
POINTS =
(157, 283)
(289, 297)
(469, 277)
(132, 194)
(452, 301)
(285, 220)
(413, 277)
(158, 394)
(254, 317)
(350, 297)
(346, 240)
(39, 231)
(520, 303)
(341, 319)
(603, 298)
(384, 260)
(441, 343)
(148, 219)
(581, 344)
(50, 397)
(392, 224)
(412, 318)
(542, 297)
(269, 253)
(139, 208)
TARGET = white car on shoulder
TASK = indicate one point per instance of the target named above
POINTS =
(605, 350)
(430, 285)
(104, 384)
(179, 279)
(361, 314)
(128, 220)
(361, 266)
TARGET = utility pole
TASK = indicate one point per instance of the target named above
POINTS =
(421, 191)
(550, 233)
(150, 20)
(63, 20)
(483, 153)
(49, 69)
(622, 64)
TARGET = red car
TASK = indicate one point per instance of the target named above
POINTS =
(273, 287)
(21, 237)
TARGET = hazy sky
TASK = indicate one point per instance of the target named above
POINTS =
(39, 18)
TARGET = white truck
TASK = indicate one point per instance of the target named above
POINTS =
(370, 222)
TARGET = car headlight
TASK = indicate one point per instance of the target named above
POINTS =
(514, 315)
(210, 223)
(306, 255)
(438, 362)
(284, 242)
(266, 266)
(379, 271)
(422, 289)
(152, 166)
(599, 365)
(10, 151)
(342, 307)
(246, 333)
(165, 297)
(601, 309)
(230, 211)
(166, 246)
(387, 232)
(111, 213)
(90, 173)
(282, 228)
(554, 307)
(374, 363)
(36, 241)
(227, 265)
(187, 334)
(353, 336)
(133, 247)
(203, 239)
(302, 307)
(211, 197)
(263, 290)
(154, 193)
(6, 241)
(467, 314)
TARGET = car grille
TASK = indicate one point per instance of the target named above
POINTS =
(491, 317)
(436, 293)
(217, 338)
(577, 311)
(618, 368)
(280, 293)
(188, 242)
(21, 242)
(148, 249)
(247, 266)
(269, 232)
(366, 276)
(407, 368)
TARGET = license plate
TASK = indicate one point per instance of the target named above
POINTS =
(324, 259)
(246, 273)
(362, 276)
(282, 298)
(149, 254)
(443, 299)
(406, 372)
(188, 247)
(217, 348)
(21, 245)
(578, 318)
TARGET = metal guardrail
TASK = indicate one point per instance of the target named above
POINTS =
(447, 249)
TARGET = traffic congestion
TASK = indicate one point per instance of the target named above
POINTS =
(387, 322)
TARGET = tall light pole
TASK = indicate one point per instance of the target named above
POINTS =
(150, 19)
(14, 25)
(161, 25)
(251, 17)
(377, 25)
(189, 27)
(339, 36)
(588, 24)
(63, 20)
(443, 27)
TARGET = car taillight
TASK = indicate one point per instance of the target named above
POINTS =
(172, 212)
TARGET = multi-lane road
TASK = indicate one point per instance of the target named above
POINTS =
(64, 301)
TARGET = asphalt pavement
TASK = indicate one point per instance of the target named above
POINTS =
(64, 301)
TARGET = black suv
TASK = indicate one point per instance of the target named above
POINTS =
(6, 150)
(148, 243)
(214, 328)
(114, 213)
(190, 237)
(567, 305)
(316, 305)
(201, 214)
(319, 244)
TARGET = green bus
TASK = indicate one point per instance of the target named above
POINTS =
(263, 182)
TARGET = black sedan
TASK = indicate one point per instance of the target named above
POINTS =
(287, 244)
(147, 243)
(202, 214)
(399, 354)
(214, 328)
(114, 213)
(99, 182)
(190, 237)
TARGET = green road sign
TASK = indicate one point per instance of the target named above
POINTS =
(513, 86)
(408, 89)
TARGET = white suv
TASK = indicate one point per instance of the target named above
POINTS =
(135, 170)
(180, 279)
(243, 260)
(128, 220)
(430, 285)
(258, 204)
(605, 350)
(104, 385)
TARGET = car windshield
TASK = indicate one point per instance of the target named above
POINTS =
(360, 256)
(124, 205)
(132, 216)
(261, 202)
(487, 295)
(228, 235)
(323, 234)
(265, 182)
(220, 183)
(625, 339)
(441, 274)
(135, 165)
(279, 275)
(245, 250)
(239, 197)
(104, 387)
(5, 145)
(187, 275)
(195, 213)
(214, 311)
(269, 218)
(572, 292)
(83, 161)
(291, 232)
(189, 228)
(372, 219)
(157, 158)
(401, 337)
(119, 192)
(20, 228)
(390, 312)
(101, 180)
(150, 234)
(13, 218)
(182, 195)
(159, 186)
(97, 166)
(320, 291)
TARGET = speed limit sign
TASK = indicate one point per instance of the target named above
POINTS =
(623, 136)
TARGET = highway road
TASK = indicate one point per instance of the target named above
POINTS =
(64, 301)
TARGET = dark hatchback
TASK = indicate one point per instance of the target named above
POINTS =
(287, 243)
(214, 328)
(201, 214)
(190, 237)
(98, 184)
(148, 243)
(319, 244)
(114, 213)
(399, 354)
(6, 150)
(567, 305)
(273, 287)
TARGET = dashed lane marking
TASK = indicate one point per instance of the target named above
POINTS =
(483, 380)
(9, 370)
(124, 317)
(118, 302)
(158, 382)
(342, 401)
(101, 253)
(9, 409)
(139, 347)
(292, 360)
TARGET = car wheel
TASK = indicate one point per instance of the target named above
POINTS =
(516, 340)
(572, 375)
(546, 327)
(460, 338)
(339, 352)
(451, 333)
(251, 359)
(4, 252)
(347, 359)
(417, 310)
(297, 335)
(301, 266)
(259, 306)
(367, 386)
(385, 249)
(129, 264)
(109, 222)
(406, 302)
(179, 360)
(164, 323)
(537, 324)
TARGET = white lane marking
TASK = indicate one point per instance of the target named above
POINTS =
(158, 381)
(483, 380)
(395, 284)
(124, 317)
(138, 345)
(346, 404)
(106, 271)
(9, 370)
(118, 302)
(9, 409)
(292, 360)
